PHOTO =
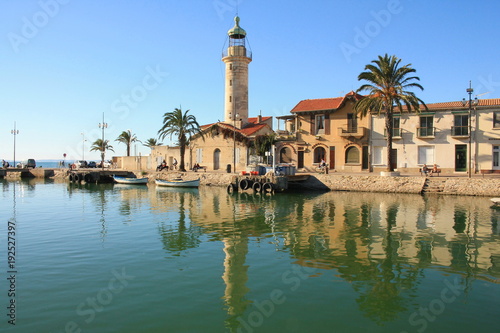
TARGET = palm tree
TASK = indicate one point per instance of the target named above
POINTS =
(151, 143)
(102, 146)
(127, 138)
(387, 91)
(183, 126)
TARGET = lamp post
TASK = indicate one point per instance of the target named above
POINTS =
(14, 132)
(83, 146)
(471, 103)
(103, 125)
(234, 116)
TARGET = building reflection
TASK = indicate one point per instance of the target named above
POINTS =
(380, 243)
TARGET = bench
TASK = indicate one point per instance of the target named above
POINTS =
(200, 167)
(487, 171)
(438, 171)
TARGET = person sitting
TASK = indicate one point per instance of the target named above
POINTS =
(425, 170)
(322, 164)
(196, 166)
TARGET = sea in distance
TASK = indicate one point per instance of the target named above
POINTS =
(121, 258)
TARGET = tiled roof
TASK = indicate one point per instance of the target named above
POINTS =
(321, 104)
(250, 129)
(459, 105)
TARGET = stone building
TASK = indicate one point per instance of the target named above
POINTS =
(441, 136)
(328, 129)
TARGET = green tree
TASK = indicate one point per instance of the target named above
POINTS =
(387, 92)
(127, 138)
(102, 146)
(183, 126)
(151, 142)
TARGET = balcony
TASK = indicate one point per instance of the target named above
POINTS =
(460, 131)
(286, 136)
(426, 132)
(396, 133)
(356, 132)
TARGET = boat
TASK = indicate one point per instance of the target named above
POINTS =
(496, 203)
(178, 182)
(130, 181)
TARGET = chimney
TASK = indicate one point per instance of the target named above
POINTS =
(259, 119)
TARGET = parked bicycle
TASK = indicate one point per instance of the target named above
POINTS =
(322, 168)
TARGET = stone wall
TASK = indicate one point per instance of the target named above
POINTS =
(372, 183)
(472, 186)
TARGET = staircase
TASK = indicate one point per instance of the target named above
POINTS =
(434, 185)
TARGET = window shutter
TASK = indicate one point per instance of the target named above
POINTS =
(327, 123)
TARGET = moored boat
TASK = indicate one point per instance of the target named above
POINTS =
(130, 180)
(178, 182)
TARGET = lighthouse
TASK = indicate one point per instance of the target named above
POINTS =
(236, 58)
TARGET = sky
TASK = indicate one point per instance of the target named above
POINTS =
(64, 64)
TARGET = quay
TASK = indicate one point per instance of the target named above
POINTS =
(477, 185)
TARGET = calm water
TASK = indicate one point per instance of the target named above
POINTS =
(109, 258)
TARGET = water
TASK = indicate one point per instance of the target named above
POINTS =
(110, 258)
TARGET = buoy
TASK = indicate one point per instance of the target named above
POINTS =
(71, 178)
(268, 188)
(245, 184)
(230, 188)
(76, 178)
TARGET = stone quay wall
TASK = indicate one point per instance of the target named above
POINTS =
(473, 186)
(361, 183)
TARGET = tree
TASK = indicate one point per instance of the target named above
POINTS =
(127, 138)
(151, 143)
(387, 92)
(102, 146)
(183, 126)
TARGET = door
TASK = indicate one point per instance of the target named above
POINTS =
(460, 158)
(217, 159)
(331, 164)
(364, 158)
(300, 159)
(496, 157)
(394, 156)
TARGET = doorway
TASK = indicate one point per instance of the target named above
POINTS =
(460, 158)
(332, 159)
(217, 159)
(300, 159)
(394, 156)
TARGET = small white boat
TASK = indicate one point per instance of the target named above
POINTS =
(178, 182)
(496, 201)
(129, 180)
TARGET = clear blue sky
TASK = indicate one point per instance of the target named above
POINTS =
(65, 62)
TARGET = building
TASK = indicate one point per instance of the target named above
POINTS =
(325, 129)
(441, 136)
(228, 145)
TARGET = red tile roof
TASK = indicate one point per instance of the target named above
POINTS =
(250, 129)
(322, 104)
(457, 105)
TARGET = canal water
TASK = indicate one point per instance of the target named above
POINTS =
(117, 258)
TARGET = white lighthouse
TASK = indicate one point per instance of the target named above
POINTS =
(236, 58)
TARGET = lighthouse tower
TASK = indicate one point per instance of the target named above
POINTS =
(236, 58)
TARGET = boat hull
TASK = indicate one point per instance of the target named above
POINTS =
(130, 181)
(178, 183)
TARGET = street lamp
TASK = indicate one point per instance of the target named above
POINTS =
(234, 138)
(471, 103)
(103, 125)
(83, 146)
(14, 132)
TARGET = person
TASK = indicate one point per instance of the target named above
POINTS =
(174, 166)
(435, 169)
(196, 167)
(425, 169)
(322, 163)
(5, 164)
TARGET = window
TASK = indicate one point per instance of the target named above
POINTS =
(231, 67)
(230, 82)
(496, 119)
(426, 155)
(377, 154)
(352, 123)
(496, 157)
(396, 130)
(199, 155)
(461, 125)
(426, 126)
(230, 99)
(319, 154)
(352, 155)
(320, 124)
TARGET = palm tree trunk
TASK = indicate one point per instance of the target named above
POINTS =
(388, 129)
(128, 149)
(182, 151)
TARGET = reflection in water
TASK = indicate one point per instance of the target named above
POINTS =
(379, 243)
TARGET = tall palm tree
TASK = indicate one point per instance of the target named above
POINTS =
(151, 142)
(183, 126)
(127, 138)
(102, 146)
(387, 91)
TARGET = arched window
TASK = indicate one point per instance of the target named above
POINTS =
(286, 155)
(352, 155)
(319, 154)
